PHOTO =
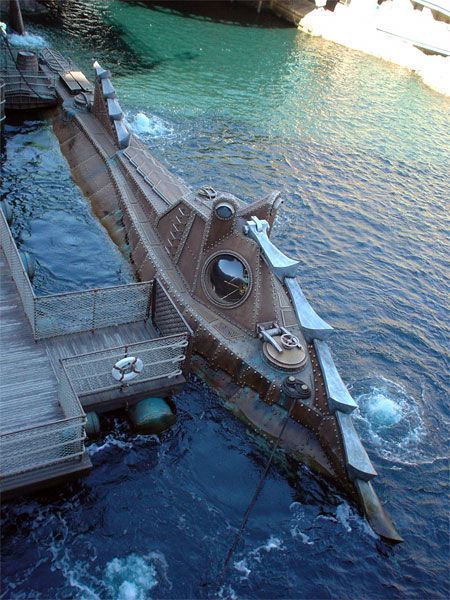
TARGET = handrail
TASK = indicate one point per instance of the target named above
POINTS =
(48, 317)
(126, 347)
(159, 283)
(40, 426)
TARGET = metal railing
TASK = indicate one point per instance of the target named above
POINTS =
(17, 269)
(165, 315)
(89, 310)
(161, 357)
(73, 312)
(47, 444)
(2, 102)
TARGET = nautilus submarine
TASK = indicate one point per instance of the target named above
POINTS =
(257, 339)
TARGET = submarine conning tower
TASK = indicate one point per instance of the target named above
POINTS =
(238, 291)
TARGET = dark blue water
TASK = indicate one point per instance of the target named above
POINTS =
(360, 151)
(52, 220)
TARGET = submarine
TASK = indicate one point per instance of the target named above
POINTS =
(257, 339)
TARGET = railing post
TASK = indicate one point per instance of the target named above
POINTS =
(149, 308)
(94, 306)
(153, 302)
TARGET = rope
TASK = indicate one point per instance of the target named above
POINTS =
(19, 71)
(258, 489)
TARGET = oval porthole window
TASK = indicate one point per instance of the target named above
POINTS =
(227, 280)
(224, 211)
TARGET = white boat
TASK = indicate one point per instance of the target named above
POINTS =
(399, 19)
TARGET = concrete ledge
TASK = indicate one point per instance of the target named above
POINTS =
(338, 395)
(358, 463)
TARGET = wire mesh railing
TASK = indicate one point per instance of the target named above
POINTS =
(165, 315)
(17, 269)
(48, 444)
(161, 358)
(62, 440)
(74, 312)
(91, 310)
(42, 446)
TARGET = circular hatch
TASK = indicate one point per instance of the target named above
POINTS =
(227, 279)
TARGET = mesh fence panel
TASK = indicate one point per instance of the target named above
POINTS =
(41, 446)
(166, 316)
(47, 444)
(161, 357)
(92, 309)
(17, 269)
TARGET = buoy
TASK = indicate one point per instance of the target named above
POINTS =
(152, 415)
(7, 211)
(28, 262)
(92, 426)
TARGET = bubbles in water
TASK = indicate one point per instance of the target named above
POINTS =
(256, 555)
(130, 578)
(152, 126)
(109, 442)
(29, 40)
(382, 411)
(346, 516)
(299, 518)
(390, 418)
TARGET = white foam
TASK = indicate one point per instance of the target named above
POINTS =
(256, 555)
(29, 40)
(355, 26)
(242, 567)
(152, 126)
(343, 516)
(131, 577)
(390, 419)
(121, 439)
(346, 516)
(227, 592)
(298, 518)
(382, 410)
(109, 442)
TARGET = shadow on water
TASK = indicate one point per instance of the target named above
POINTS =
(219, 11)
(86, 22)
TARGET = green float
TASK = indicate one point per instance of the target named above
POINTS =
(92, 426)
(152, 415)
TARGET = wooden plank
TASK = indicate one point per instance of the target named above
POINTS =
(28, 385)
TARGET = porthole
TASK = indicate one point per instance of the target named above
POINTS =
(224, 211)
(227, 279)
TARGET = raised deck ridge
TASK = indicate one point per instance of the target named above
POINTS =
(338, 396)
(358, 463)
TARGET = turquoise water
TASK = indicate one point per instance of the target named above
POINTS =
(360, 151)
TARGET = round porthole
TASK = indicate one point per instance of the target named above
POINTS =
(224, 211)
(227, 280)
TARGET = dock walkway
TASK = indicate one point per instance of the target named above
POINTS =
(28, 384)
(58, 352)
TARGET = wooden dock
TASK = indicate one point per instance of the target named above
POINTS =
(57, 357)
(28, 384)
